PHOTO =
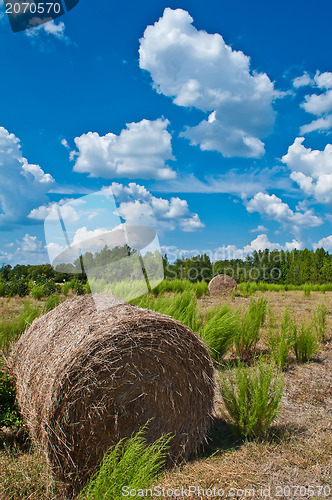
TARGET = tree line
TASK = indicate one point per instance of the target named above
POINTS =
(295, 267)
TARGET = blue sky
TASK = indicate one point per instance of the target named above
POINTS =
(220, 111)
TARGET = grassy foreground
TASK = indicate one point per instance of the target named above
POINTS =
(295, 451)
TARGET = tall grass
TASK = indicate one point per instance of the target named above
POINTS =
(306, 343)
(11, 330)
(248, 288)
(200, 288)
(219, 331)
(132, 464)
(252, 397)
(319, 321)
(51, 302)
(181, 306)
(248, 331)
(281, 341)
(66, 287)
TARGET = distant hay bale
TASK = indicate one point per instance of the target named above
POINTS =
(86, 379)
(222, 285)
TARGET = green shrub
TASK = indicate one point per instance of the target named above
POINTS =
(252, 397)
(219, 332)
(319, 321)
(18, 287)
(11, 330)
(37, 292)
(307, 290)
(306, 343)
(248, 331)
(51, 288)
(132, 463)
(281, 341)
(9, 414)
(2, 289)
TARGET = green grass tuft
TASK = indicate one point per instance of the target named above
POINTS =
(180, 306)
(132, 463)
(248, 332)
(252, 397)
(281, 341)
(306, 343)
(319, 321)
(219, 331)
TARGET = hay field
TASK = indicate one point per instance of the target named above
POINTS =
(298, 448)
(296, 452)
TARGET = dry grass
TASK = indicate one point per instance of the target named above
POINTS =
(10, 308)
(24, 475)
(300, 306)
(298, 448)
(296, 451)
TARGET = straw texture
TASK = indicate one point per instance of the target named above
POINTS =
(222, 285)
(86, 379)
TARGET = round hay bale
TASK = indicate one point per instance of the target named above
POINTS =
(86, 379)
(222, 285)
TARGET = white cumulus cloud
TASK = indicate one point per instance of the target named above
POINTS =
(260, 243)
(198, 69)
(325, 243)
(137, 205)
(140, 151)
(28, 250)
(318, 104)
(272, 207)
(22, 185)
(311, 169)
(259, 229)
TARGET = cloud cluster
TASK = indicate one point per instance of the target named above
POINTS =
(137, 205)
(140, 151)
(28, 250)
(318, 104)
(134, 203)
(198, 69)
(311, 169)
(69, 213)
(325, 243)
(260, 243)
(272, 207)
(50, 30)
(22, 185)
